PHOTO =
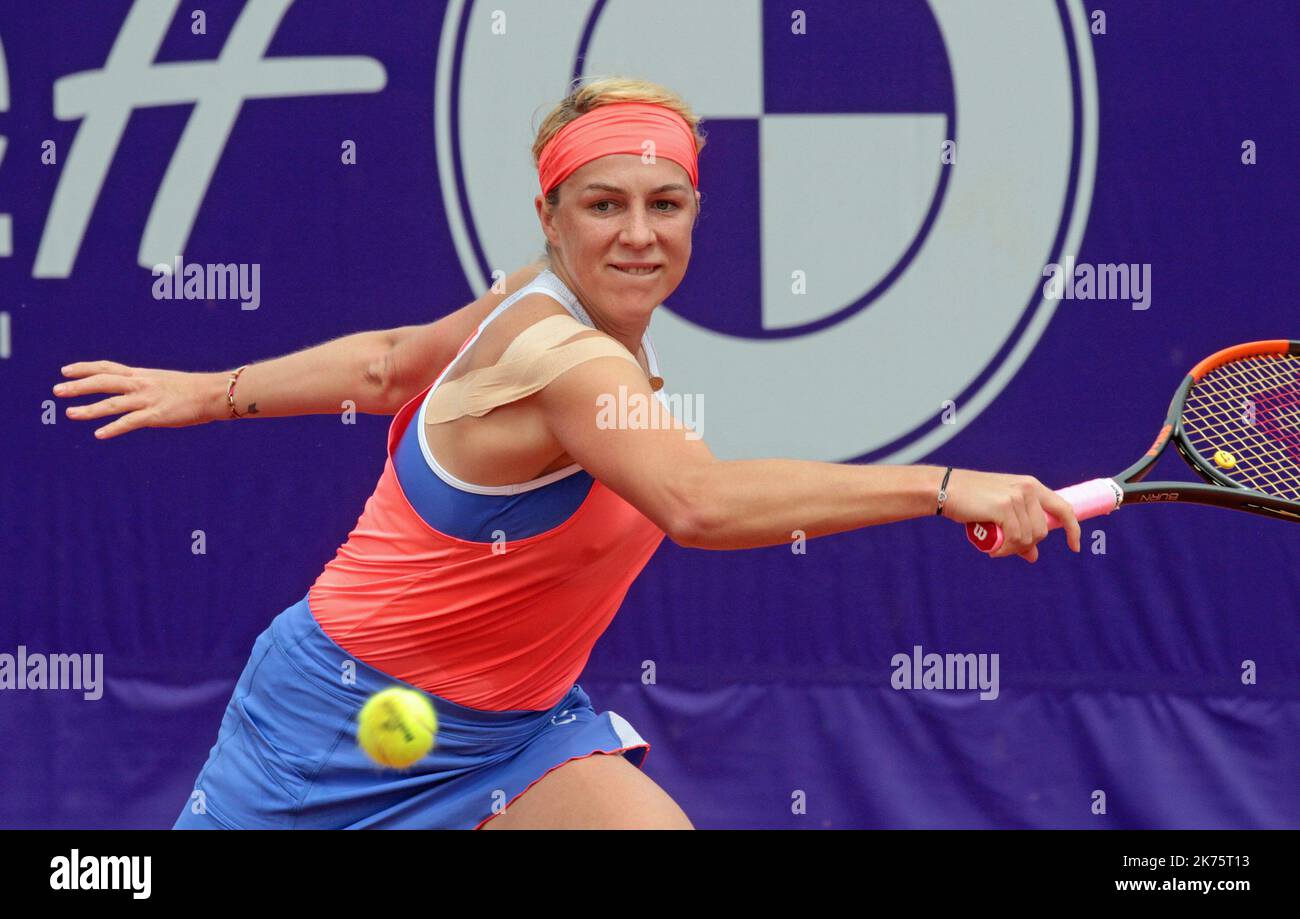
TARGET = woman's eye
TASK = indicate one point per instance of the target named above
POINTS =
(672, 206)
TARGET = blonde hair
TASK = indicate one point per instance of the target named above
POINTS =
(595, 92)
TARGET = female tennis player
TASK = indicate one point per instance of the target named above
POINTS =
(511, 518)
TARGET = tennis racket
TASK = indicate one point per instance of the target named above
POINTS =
(1236, 421)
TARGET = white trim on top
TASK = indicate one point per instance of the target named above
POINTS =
(559, 292)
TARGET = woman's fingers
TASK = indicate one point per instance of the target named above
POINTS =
(1037, 522)
(92, 377)
(133, 421)
(1026, 541)
(1063, 511)
(100, 382)
(86, 368)
(1013, 525)
(1030, 490)
(1028, 523)
(1037, 514)
(115, 405)
(146, 398)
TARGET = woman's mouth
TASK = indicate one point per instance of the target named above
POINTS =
(637, 272)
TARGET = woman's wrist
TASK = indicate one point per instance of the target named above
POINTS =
(942, 497)
(213, 391)
(924, 489)
(931, 485)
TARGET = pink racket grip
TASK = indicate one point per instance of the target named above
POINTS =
(1089, 499)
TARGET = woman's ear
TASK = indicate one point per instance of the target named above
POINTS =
(546, 216)
(539, 203)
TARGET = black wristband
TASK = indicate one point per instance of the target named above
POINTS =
(943, 493)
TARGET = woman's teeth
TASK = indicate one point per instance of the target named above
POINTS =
(638, 271)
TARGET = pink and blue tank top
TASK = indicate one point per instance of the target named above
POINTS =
(490, 596)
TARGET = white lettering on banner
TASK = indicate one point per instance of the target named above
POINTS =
(104, 100)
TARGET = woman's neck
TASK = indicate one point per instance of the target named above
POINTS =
(628, 335)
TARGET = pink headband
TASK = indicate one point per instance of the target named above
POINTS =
(621, 127)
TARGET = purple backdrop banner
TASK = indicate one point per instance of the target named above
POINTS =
(914, 165)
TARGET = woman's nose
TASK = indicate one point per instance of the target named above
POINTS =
(636, 230)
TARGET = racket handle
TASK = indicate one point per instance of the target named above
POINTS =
(1089, 499)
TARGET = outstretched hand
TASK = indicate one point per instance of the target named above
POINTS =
(144, 398)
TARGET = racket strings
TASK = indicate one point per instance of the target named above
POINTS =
(1250, 408)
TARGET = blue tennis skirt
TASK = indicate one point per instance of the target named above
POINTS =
(287, 756)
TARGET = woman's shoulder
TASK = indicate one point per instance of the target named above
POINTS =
(537, 312)
(518, 353)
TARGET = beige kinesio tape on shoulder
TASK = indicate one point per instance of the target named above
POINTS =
(536, 357)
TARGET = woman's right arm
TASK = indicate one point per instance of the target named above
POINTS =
(376, 371)
(672, 477)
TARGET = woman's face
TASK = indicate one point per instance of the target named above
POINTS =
(618, 212)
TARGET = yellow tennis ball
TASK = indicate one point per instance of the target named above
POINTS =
(1224, 460)
(396, 727)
